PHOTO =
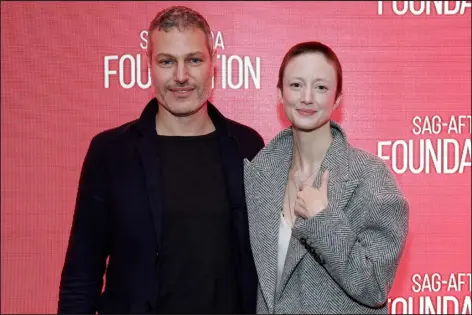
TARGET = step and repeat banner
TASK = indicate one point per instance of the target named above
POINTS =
(71, 70)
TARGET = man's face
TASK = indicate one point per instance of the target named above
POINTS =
(181, 69)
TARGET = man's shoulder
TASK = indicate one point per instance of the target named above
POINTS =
(114, 135)
(240, 130)
(249, 140)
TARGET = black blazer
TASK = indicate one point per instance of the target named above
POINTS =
(118, 216)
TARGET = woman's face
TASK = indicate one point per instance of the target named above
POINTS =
(309, 91)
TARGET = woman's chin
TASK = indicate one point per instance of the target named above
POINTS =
(306, 126)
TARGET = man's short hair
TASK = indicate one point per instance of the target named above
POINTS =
(180, 17)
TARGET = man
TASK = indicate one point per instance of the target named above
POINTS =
(162, 197)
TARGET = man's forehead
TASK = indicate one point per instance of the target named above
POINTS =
(192, 38)
(196, 53)
(174, 30)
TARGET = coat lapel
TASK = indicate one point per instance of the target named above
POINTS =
(150, 164)
(265, 187)
(263, 229)
(147, 150)
(233, 172)
(339, 193)
(340, 189)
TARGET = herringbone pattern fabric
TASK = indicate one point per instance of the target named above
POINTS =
(352, 248)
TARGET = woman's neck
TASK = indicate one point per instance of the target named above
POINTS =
(309, 148)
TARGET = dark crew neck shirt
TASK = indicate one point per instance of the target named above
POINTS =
(197, 271)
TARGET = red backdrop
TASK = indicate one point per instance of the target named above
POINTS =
(407, 79)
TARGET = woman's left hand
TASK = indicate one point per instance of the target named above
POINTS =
(311, 201)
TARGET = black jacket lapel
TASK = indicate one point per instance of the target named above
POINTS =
(233, 169)
(148, 153)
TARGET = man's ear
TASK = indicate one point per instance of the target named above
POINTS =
(213, 63)
(149, 58)
(213, 56)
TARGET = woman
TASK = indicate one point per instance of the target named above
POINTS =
(327, 221)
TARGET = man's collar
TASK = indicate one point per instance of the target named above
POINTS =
(147, 121)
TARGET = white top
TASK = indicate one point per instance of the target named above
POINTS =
(285, 233)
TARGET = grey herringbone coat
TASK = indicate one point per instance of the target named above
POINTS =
(344, 259)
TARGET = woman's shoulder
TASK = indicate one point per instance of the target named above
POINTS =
(361, 163)
(372, 172)
(364, 158)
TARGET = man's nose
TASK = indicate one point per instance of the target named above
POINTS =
(181, 73)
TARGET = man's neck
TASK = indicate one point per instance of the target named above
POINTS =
(197, 124)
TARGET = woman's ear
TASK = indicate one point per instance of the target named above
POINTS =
(338, 101)
(280, 96)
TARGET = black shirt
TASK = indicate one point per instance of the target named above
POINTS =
(196, 263)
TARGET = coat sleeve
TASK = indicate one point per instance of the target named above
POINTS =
(88, 247)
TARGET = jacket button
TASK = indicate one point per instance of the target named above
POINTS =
(148, 308)
(318, 258)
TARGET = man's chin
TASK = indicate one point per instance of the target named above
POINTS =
(185, 111)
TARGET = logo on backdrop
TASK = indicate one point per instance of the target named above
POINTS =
(428, 286)
(418, 8)
(233, 71)
(431, 151)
